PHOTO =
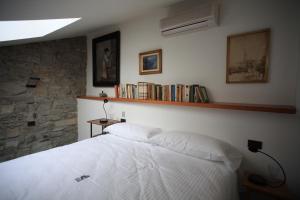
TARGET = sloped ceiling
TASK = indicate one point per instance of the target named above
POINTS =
(94, 13)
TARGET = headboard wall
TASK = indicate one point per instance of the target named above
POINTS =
(200, 57)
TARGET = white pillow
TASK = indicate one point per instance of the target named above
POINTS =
(199, 146)
(132, 131)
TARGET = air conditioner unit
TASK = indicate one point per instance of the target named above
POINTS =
(194, 17)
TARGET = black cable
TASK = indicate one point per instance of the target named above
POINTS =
(283, 172)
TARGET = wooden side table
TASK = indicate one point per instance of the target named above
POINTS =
(276, 193)
(103, 125)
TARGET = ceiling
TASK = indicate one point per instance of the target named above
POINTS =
(94, 13)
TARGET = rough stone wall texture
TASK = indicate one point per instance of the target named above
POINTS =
(60, 65)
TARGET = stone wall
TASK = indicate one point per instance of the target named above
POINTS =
(61, 66)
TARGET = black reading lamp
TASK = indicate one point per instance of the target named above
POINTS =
(255, 146)
(104, 120)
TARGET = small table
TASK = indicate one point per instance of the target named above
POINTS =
(277, 193)
(105, 124)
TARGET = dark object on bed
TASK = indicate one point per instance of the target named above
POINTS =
(78, 179)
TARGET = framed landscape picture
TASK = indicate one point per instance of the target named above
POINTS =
(150, 62)
(106, 60)
(248, 57)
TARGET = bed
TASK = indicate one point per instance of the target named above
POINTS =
(111, 167)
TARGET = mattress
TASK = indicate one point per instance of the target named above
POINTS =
(109, 167)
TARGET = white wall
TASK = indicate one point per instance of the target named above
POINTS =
(298, 72)
(200, 57)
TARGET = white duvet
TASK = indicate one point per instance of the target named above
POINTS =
(118, 169)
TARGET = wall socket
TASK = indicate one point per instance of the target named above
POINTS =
(31, 123)
(254, 145)
(123, 119)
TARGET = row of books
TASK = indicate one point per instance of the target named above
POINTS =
(151, 91)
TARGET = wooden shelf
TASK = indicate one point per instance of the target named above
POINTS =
(229, 106)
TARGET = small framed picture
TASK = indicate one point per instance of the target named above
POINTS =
(248, 57)
(106, 60)
(151, 62)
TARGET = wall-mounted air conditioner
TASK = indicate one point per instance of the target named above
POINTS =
(192, 17)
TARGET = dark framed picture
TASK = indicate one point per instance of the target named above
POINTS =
(150, 62)
(248, 57)
(106, 60)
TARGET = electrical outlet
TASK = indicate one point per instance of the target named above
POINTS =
(123, 114)
(254, 145)
(31, 123)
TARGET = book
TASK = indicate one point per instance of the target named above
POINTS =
(170, 93)
(153, 92)
(119, 91)
(142, 88)
(134, 91)
(160, 92)
(191, 94)
(183, 93)
(148, 91)
(198, 97)
(203, 90)
(116, 91)
(166, 92)
(128, 90)
(173, 93)
(122, 91)
(187, 93)
(163, 93)
(179, 92)
(157, 92)
(125, 89)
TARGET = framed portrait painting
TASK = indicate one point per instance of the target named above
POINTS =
(106, 60)
(248, 57)
(150, 62)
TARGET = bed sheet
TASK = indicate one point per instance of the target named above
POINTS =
(114, 168)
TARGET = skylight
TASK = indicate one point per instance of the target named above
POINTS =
(24, 29)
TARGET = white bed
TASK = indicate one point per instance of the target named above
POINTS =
(118, 169)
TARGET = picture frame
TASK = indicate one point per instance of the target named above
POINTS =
(248, 57)
(150, 62)
(106, 60)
